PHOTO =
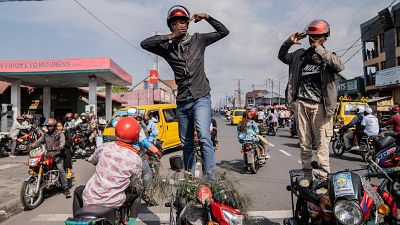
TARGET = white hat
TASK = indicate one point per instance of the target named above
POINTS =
(368, 110)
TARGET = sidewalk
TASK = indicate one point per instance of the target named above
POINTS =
(12, 173)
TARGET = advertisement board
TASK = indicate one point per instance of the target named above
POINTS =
(388, 76)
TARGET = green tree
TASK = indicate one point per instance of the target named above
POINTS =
(116, 89)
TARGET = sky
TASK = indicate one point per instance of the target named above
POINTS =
(62, 29)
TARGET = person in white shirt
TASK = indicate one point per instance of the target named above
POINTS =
(371, 128)
(261, 116)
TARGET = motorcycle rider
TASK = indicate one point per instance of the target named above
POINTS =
(369, 127)
(247, 130)
(69, 124)
(85, 128)
(261, 116)
(67, 150)
(311, 90)
(271, 118)
(394, 121)
(185, 54)
(14, 132)
(93, 125)
(54, 142)
(76, 120)
(356, 121)
(118, 167)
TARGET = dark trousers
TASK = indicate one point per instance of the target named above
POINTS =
(68, 157)
(132, 199)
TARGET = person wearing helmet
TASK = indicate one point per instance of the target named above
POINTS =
(184, 52)
(394, 120)
(311, 90)
(15, 131)
(369, 127)
(54, 142)
(356, 121)
(272, 118)
(247, 131)
(118, 170)
(69, 124)
(85, 129)
(27, 120)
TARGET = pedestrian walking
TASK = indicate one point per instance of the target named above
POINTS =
(311, 90)
(184, 52)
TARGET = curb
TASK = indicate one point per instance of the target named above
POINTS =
(10, 209)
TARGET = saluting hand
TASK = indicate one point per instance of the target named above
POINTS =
(199, 16)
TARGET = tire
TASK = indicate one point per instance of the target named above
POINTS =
(3, 151)
(252, 167)
(337, 148)
(394, 188)
(273, 132)
(26, 185)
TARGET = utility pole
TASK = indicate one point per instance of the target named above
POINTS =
(253, 86)
(272, 90)
(239, 92)
(279, 93)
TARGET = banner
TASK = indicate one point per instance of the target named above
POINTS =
(153, 76)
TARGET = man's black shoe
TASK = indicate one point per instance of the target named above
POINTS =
(67, 193)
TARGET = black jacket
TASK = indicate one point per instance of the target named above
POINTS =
(188, 62)
(330, 64)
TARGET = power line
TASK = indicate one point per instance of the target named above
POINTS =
(115, 32)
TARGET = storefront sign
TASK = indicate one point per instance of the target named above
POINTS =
(388, 76)
(153, 76)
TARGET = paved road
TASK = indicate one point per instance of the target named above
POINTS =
(267, 188)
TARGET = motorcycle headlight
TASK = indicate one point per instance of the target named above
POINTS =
(348, 212)
(232, 218)
(33, 161)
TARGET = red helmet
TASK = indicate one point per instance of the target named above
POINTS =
(318, 27)
(20, 118)
(177, 11)
(252, 114)
(50, 122)
(127, 130)
(396, 109)
(69, 116)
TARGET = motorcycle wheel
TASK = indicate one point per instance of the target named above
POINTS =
(394, 188)
(27, 190)
(273, 132)
(302, 215)
(3, 151)
(252, 167)
(337, 148)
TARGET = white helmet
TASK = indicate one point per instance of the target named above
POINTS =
(368, 110)
(360, 109)
(132, 112)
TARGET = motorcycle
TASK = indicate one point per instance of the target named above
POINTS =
(23, 141)
(366, 145)
(252, 156)
(272, 129)
(344, 198)
(78, 151)
(197, 203)
(43, 175)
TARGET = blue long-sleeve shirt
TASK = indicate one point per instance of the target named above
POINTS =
(355, 121)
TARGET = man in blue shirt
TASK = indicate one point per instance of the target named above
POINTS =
(152, 128)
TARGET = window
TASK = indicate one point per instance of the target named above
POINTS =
(383, 65)
(382, 42)
(170, 115)
(239, 113)
(351, 109)
(155, 114)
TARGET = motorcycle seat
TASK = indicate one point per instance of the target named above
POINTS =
(96, 212)
(384, 143)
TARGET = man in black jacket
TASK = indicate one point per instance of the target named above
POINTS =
(311, 90)
(185, 54)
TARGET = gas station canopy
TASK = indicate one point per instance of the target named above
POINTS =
(64, 73)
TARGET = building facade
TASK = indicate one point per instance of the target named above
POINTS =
(381, 55)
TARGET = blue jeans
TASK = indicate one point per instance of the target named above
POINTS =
(196, 114)
(147, 175)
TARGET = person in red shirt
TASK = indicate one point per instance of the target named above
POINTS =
(394, 120)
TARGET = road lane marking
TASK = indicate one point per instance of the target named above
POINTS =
(299, 162)
(272, 145)
(6, 166)
(163, 217)
(284, 152)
